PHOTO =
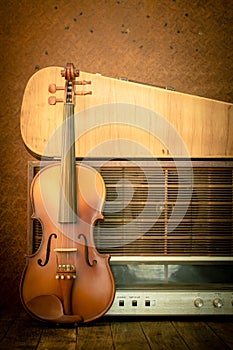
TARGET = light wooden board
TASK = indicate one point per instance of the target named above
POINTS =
(125, 119)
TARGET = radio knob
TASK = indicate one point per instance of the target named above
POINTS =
(217, 302)
(198, 302)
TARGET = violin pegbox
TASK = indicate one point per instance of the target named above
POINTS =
(70, 74)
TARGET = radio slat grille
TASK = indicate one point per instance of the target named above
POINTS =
(203, 222)
(164, 211)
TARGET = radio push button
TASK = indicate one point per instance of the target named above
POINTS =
(121, 303)
(198, 302)
(217, 302)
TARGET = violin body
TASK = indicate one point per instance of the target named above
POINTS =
(67, 280)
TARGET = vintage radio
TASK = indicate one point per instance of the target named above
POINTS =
(166, 159)
(169, 230)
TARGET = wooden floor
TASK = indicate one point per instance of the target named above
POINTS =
(19, 331)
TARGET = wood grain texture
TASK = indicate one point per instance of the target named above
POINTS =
(187, 45)
(19, 331)
(162, 122)
(223, 330)
(58, 338)
(163, 335)
(199, 336)
(129, 335)
(97, 337)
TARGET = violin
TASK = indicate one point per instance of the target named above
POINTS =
(67, 280)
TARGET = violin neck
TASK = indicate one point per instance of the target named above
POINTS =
(68, 193)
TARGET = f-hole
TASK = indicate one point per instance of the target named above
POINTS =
(39, 261)
(87, 251)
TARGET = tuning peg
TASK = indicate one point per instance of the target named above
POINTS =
(53, 100)
(82, 93)
(53, 88)
(82, 82)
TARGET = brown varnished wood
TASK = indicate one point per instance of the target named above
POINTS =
(93, 289)
(67, 280)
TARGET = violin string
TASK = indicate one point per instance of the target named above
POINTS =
(68, 182)
(62, 184)
(75, 169)
(74, 190)
(65, 169)
(68, 171)
(75, 183)
(65, 195)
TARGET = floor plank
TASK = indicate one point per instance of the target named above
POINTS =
(6, 320)
(199, 336)
(21, 335)
(129, 335)
(19, 331)
(224, 330)
(58, 338)
(163, 336)
(97, 336)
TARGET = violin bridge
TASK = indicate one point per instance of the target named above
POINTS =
(65, 250)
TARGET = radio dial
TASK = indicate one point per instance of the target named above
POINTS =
(198, 302)
(217, 302)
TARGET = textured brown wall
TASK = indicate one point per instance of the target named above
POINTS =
(184, 44)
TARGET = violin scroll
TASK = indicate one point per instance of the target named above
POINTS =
(70, 74)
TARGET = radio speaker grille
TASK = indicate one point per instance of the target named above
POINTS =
(163, 210)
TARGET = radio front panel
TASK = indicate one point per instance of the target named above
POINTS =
(176, 302)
